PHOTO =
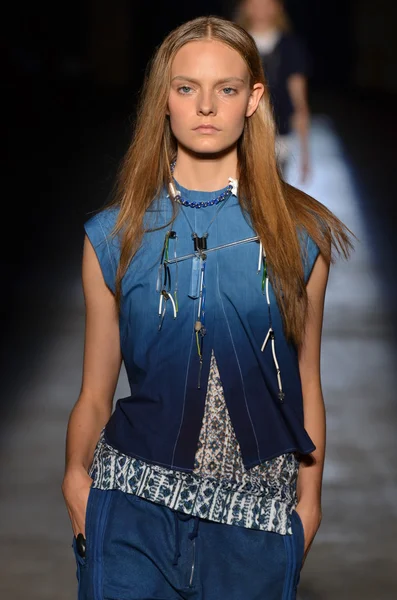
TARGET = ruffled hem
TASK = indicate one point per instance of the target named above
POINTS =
(263, 507)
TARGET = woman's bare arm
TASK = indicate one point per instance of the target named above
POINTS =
(101, 369)
(311, 471)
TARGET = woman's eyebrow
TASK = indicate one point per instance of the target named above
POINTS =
(192, 80)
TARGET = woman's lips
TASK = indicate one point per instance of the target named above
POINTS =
(206, 129)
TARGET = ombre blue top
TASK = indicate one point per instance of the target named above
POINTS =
(160, 420)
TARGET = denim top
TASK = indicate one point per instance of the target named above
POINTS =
(160, 420)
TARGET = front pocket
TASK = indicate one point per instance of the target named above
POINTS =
(79, 559)
(80, 569)
(82, 560)
(88, 518)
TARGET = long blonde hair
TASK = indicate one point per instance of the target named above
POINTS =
(276, 209)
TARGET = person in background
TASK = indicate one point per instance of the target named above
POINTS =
(206, 275)
(286, 65)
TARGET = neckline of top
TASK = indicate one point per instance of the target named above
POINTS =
(204, 196)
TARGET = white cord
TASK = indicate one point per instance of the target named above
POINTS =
(201, 292)
(280, 387)
(266, 338)
(234, 184)
(270, 334)
(260, 256)
(267, 291)
(173, 304)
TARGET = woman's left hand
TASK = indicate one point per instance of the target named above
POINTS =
(311, 520)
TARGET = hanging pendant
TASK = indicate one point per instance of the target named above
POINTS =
(270, 334)
(164, 297)
(163, 281)
(199, 244)
(200, 310)
(199, 373)
(200, 333)
(159, 280)
(194, 289)
(162, 310)
(199, 326)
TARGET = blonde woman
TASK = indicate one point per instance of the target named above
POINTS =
(206, 276)
(286, 64)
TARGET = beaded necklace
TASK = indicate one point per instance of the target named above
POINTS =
(176, 195)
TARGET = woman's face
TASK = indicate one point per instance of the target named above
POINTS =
(262, 11)
(210, 96)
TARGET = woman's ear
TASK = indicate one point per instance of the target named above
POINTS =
(255, 96)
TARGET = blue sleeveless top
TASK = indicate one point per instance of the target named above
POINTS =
(160, 420)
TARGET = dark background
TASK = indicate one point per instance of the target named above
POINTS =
(71, 73)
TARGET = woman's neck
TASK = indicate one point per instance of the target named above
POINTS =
(205, 174)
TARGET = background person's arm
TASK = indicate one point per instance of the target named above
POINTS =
(297, 87)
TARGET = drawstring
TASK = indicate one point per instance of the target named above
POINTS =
(178, 516)
(194, 533)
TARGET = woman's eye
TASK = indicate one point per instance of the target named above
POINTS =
(184, 89)
(228, 91)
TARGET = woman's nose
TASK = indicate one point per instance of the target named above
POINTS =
(206, 103)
